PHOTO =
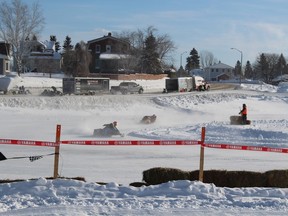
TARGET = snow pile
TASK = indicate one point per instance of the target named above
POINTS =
(283, 87)
(69, 197)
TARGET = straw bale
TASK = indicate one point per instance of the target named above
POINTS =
(277, 178)
(160, 175)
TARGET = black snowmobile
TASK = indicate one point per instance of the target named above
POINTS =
(107, 131)
(148, 119)
(237, 120)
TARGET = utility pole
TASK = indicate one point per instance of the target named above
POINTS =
(240, 62)
(181, 58)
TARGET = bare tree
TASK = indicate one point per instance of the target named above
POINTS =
(19, 22)
(207, 59)
(272, 60)
(164, 45)
(83, 57)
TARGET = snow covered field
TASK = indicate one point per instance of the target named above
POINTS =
(179, 117)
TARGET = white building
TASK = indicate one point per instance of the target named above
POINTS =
(42, 57)
(218, 72)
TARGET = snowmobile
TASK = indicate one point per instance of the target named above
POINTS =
(107, 132)
(21, 90)
(148, 119)
(237, 120)
(53, 92)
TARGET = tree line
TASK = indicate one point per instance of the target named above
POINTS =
(151, 51)
(266, 67)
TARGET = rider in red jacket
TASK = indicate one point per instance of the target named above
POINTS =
(243, 113)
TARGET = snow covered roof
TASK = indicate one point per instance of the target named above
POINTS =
(43, 55)
(113, 56)
(3, 56)
(49, 44)
(219, 65)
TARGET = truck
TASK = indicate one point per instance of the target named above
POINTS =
(186, 84)
(85, 85)
(127, 87)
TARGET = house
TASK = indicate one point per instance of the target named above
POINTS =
(42, 57)
(5, 58)
(109, 55)
(218, 72)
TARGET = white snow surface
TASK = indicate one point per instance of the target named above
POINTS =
(180, 116)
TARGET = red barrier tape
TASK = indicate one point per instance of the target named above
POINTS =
(132, 142)
(246, 148)
(142, 142)
(28, 142)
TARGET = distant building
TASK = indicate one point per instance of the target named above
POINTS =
(217, 72)
(109, 55)
(5, 58)
(42, 57)
(278, 79)
(197, 72)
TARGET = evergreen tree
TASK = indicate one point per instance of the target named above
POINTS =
(150, 62)
(249, 71)
(67, 44)
(238, 69)
(34, 38)
(57, 44)
(193, 61)
(69, 62)
(281, 66)
(262, 68)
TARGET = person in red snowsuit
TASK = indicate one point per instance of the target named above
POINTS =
(243, 113)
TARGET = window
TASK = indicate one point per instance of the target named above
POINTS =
(7, 66)
(97, 64)
(108, 48)
(98, 48)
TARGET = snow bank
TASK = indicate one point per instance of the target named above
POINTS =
(283, 87)
(187, 198)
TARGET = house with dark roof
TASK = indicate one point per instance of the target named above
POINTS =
(110, 55)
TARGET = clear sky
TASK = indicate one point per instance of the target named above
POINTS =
(251, 26)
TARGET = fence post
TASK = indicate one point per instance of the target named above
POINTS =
(201, 168)
(57, 151)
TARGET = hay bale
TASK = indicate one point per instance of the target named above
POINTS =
(224, 178)
(138, 184)
(277, 178)
(245, 179)
(221, 178)
(160, 175)
(194, 175)
(217, 177)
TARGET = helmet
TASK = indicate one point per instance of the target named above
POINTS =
(115, 123)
